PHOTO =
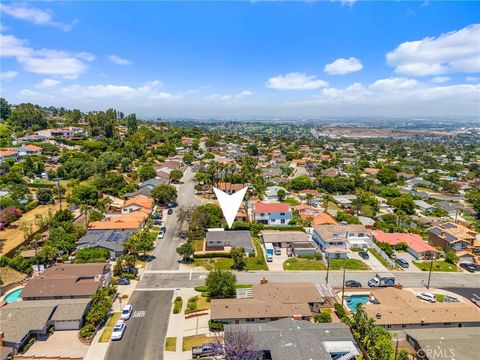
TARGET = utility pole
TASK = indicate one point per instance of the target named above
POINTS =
(343, 286)
(396, 347)
(430, 273)
(328, 270)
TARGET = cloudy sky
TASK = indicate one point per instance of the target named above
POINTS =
(266, 59)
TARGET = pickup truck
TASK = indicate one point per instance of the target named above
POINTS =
(204, 350)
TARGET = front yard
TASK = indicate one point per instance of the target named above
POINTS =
(348, 264)
(439, 265)
(304, 264)
(195, 340)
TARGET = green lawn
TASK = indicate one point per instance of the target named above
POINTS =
(171, 344)
(215, 263)
(349, 264)
(198, 245)
(439, 265)
(379, 258)
(303, 264)
(195, 340)
(258, 262)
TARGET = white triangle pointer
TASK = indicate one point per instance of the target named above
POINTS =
(230, 203)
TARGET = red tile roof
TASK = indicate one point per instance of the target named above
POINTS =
(263, 207)
(413, 241)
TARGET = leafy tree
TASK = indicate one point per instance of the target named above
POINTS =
(91, 255)
(473, 197)
(221, 284)
(84, 194)
(146, 172)
(238, 257)
(125, 164)
(301, 183)
(386, 176)
(323, 317)
(451, 257)
(5, 135)
(403, 203)
(281, 194)
(188, 159)
(164, 193)
(132, 123)
(45, 196)
(186, 250)
(252, 150)
(176, 175)
(343, 216)
(28, 116)
(4, 109)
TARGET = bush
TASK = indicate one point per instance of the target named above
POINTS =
(450, 257)
(178, 298)
(215, 325)
(177, 307)
(212, 255)
(341, 312)
(323, 317)
(87, 331)
(201, 288)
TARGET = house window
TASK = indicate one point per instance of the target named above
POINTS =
(283, 221)
(282, 214)
(250, 320)
(262, 214)
(389, 326)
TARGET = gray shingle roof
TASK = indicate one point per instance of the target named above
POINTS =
(238, 238)
(108, 239)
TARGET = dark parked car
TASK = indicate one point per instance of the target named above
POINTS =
(353, 283)
(183, 234)
(130, 270)
(123, 281)
(403, 263)
(163, 228)
(469, 267)
(364, 255)
(170, 211)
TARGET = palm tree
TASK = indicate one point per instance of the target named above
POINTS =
(326, 199)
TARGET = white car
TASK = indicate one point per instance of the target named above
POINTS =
(161, 234)
(427, 297)
(118, 330)
(126, 312)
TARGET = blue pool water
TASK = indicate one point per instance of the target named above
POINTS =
(355, 300)
(13, 296)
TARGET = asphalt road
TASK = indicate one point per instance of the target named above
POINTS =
(146, 329)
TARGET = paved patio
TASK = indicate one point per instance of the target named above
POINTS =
(61, 343)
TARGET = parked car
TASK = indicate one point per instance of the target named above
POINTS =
(164, 229)
(123, 281)
(158, 215)
(475, 299)
(126, 312)
(403, 263)
(170, 211)
(161, 234)
(353, 283)
(393, 256)
(130, 270)
(118, 330)
(427, 297)
(469, 267)
(204, 350)
(183, 234)
(278, 251)
(364, 255)
(269, 258)
(449, 298)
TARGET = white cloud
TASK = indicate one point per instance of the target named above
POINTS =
(243, 94)
(295, 81)
(219, 97)
(471, 79)
(456, 51)
(8, 75)
(343, 66)
(44, 61)
(441, 79)
(118, 60)
(47, 83)
(227, 97)
(393, 83)
(349, 3)
(34, 15)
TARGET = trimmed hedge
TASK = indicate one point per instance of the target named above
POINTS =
(215, 325)
(212, 255)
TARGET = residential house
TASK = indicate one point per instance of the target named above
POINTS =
(455, 237)
(271, 194)
(345, 201)
(273, 213)
(288, 339)
(22, 320)
(67, 281)
(133, 222)
(334, 240)
(8, 154)
(145, 188)
(65, 133)
(449, 207)
(273, 301)
(321, 218)
(330, 172)
(230, 188)
(283, 239)
(397, 309)
(30, 138)
(220, 240)
(140, 203)
(416, 246)
(111, 240)
(29, 150)
(423, 205)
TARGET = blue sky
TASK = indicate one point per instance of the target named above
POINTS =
(267, 59)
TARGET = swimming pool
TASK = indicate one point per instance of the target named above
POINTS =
(13, 296)
(356, 300)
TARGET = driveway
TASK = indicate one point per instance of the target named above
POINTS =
(409, 258)
(278, 260)
(63, 344)
(372, 262)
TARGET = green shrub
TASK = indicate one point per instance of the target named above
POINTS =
(201, 288)
(177, 306)
(87, 331)
(215, 325)
(323, 317)
(178, 298)
(340, 310)
(212, 255)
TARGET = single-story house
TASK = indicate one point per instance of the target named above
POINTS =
(283, 239)
(219, 239)
(133, 222)
(271, 193)
(423, 205)
(287, 339)
(111, 240)
(416, 246)
(345, 201)
(303, 248)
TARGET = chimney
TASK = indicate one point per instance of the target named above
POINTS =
(263, 281)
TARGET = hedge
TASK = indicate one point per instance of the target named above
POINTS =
(212, 255)
(215, 325)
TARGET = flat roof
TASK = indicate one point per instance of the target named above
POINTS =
(277, 236)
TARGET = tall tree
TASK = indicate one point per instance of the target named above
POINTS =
(28, 116)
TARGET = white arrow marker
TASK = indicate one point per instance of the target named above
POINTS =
(230, 203)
